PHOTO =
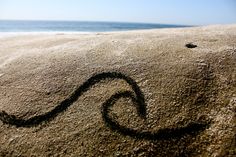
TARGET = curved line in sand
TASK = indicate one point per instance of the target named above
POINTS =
(137, 98)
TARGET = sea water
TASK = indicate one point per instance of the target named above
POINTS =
(75, 26)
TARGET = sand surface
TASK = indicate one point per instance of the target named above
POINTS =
(180, 86)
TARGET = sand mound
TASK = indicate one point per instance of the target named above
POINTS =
(138, 93)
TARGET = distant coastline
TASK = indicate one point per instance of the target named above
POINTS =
(32, 26)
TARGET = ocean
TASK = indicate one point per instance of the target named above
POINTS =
(75, 26)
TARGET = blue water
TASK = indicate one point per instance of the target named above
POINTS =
(75, 26)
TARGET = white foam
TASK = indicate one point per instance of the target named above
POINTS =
(10, 34)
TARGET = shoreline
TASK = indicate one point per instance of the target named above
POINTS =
(20, 33)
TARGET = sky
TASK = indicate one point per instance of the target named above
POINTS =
(189, 12)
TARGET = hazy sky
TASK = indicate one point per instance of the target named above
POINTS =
(193, 12)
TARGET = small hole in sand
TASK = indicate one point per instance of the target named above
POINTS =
(190, 45)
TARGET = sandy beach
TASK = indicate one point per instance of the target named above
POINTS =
(181, 87)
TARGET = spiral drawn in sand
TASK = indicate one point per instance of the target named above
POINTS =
(137, 98)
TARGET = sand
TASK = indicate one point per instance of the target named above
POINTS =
(180, 85)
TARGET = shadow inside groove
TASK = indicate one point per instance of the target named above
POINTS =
(137, 98)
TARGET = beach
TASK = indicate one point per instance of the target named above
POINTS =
(181, 87)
